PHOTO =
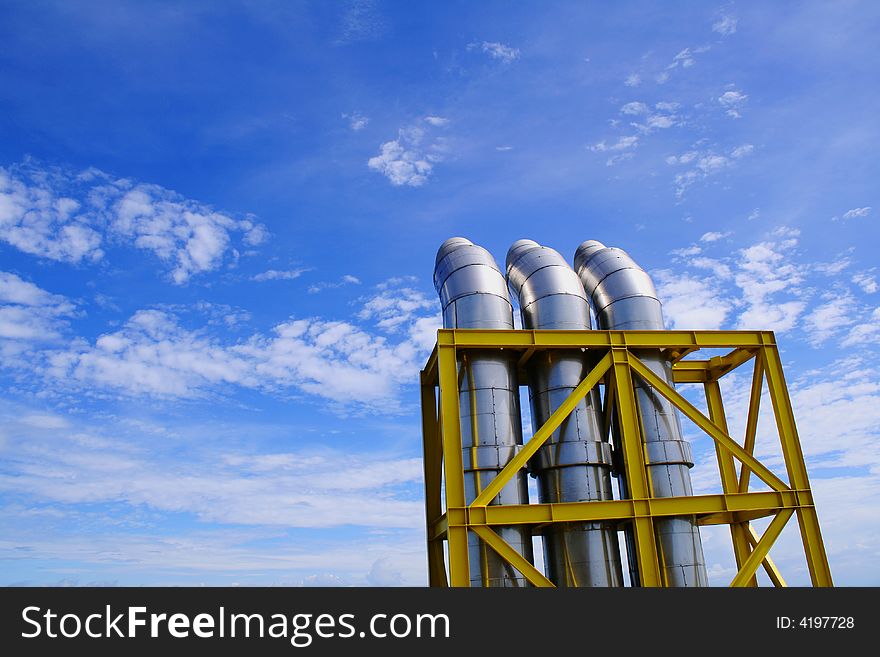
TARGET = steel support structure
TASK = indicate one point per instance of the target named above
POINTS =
(449, 518)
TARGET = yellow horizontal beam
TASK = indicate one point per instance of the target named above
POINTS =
(546, 339)
(699, 505)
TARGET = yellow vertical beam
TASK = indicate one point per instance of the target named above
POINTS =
(808, 520)
(762, 547)
(450, 413)
(752, 419)
(729, 483)
(433, 464)
(635, 471)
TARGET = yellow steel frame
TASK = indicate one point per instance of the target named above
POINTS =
(616, 355)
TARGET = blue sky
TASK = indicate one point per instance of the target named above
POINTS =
(218, 224)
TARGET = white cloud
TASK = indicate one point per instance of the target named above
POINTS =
(666, 106)
(356, 120)
(621, 144)
(741, 151)
(866, 281)
(684, 158)
(707, 163)
(347, 279)
(733, 101)
(725, 26)
(857, 212)
(633, 80)
(865, 332)
(660, 121)
(502, 52)
(503, 149)
(275, 275)
(153, 354)
(720, 269)
(691, 303)
(829, 318)
(684, 58)
(30, 314)
(408, 160)
(295, 488)
(713, 236)
(764, 270)
(60, 215)
(395, 306)
(635, 107)
(687, 251)
(40, 220)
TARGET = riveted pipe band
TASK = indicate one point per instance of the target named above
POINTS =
(669, 451)
(488, 457)
(559, 455)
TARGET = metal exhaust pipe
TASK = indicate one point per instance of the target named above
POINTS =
(473, 294)
(623, 297)
(575, 463)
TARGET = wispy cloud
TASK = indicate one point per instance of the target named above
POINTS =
(154, 354)
(866, 281)
(356, 120)
(733, 101)
(496, 50)
(29, 314)
(854, 213)
(726, 25)
(634, 108)
(703, 165)
(713, 236)
(279, 275)
(361, 20)
(61, 215)
(347, 279)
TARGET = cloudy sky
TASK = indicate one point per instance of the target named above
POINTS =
(218, 225)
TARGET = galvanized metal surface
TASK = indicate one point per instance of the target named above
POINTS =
(574, 464)
(473, 294)
(623, 297)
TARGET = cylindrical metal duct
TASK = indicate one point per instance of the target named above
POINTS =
(473, 294)
(623, 298)
(574, 464)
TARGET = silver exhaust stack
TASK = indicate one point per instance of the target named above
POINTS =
(473, 294)
(623, 297)
(574, 464)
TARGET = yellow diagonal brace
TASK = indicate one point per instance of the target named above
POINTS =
(542, 434)
(511, 556)
(752, 420)
(761, 548)
(769, 566)
(706, 424)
